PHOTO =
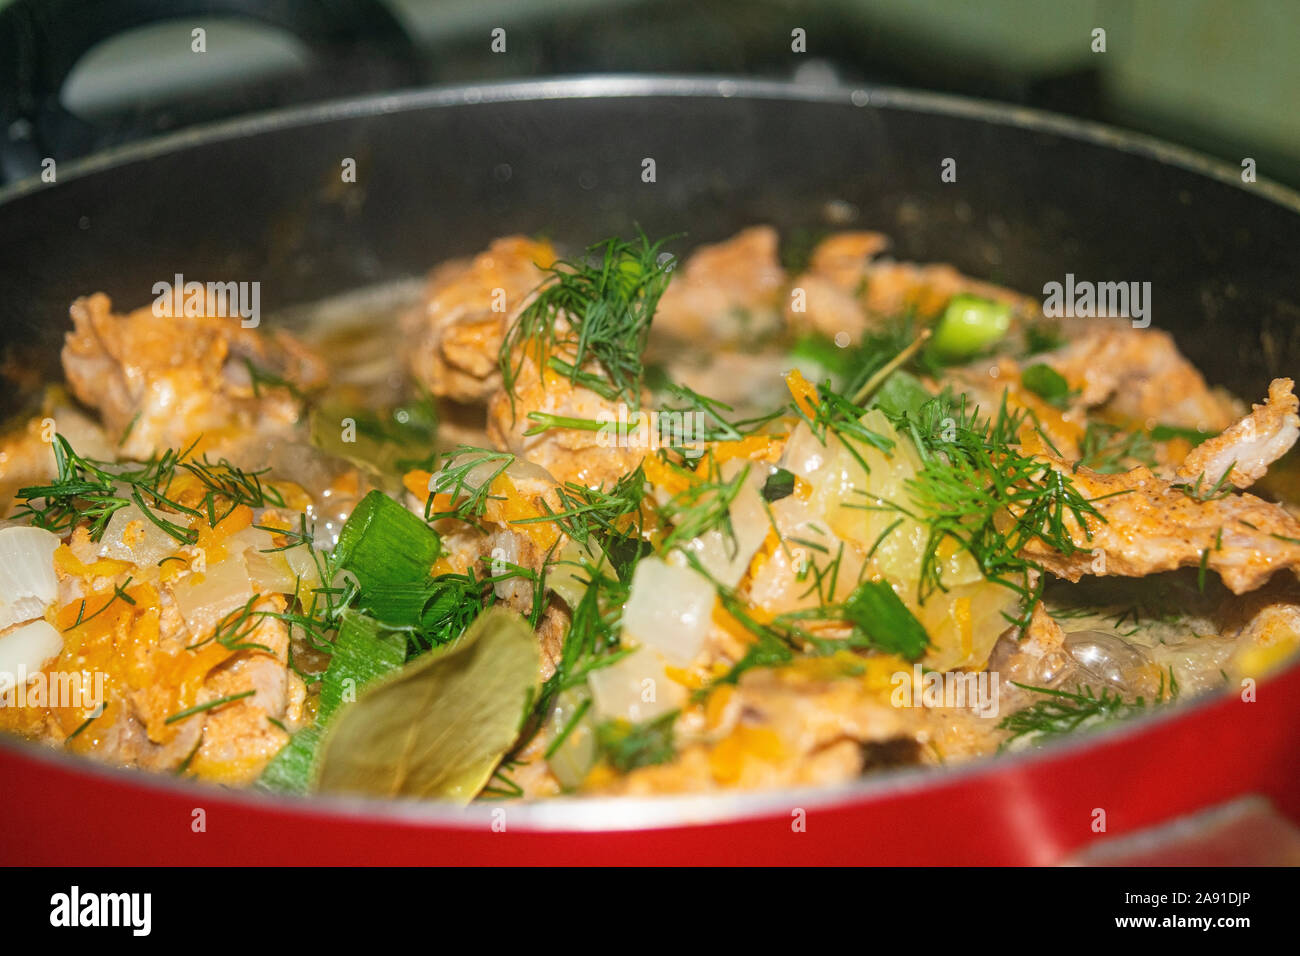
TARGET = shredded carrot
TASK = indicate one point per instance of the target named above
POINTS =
(729, 756)
(690, 679)
(103, 568)
(601, 775)
(506, 505)
(725, 620)
(965, 631)
(770, 545)
(716, 708)
(753, 447)
(1048, 415)
(212, 538)
(663, 476)
(803, 392)
(417, 483)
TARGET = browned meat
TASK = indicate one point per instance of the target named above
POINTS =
(239, 738)
(588, 457)
(161, 381)
(1153, 525)
(847, 289)
(727, 292)
(1249, 446)
(470, 303)
(1138, 374)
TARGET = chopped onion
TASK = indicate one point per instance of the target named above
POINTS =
(576, 755)
(131, 536)
(204, 599)
(304, 565)
(861, 506)
(27, 580)
(726, 557)
(521, 469)
(269, 572)
(668, 609)
(804, 453)
(635, 688)
(965, 622)
(249, 538)
(24, 651)
(482, 473)
(568, 576)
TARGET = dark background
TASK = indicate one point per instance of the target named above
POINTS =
(1219, 75)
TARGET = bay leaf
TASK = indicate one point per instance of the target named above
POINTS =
(438, 727)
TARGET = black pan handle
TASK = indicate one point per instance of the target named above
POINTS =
(355, 45)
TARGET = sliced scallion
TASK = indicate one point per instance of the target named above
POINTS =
(968, 326)
(880, 614)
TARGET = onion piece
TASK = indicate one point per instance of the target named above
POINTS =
(270, 572)
(726, 557)
(306, 565)
(804, 454)
(204, 599)
(576, 755)
(131, 536)
(27, 580)
(965, 622)
(250, 538)
(568, 575)
(636, 687)
(669, 609)
(25, 650)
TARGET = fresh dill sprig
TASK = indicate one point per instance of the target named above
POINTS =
(590, 319)
(455, 600)
(1062, 712)
(502, 786)
(898, 344)
(1202, 493)
(978, 489)
(466, 478)
(587, 513)
(835, 414)
(233, 629)
(592, 642)
(717, 426)
(92, 491)
(544, 422)
(703, 505)
(1109, 450)
(627, 746)
(119, 593)
(209, 705)
(258, 377)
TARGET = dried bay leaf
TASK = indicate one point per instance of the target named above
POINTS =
(437, 728)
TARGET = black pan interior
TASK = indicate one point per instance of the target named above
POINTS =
(441, 173)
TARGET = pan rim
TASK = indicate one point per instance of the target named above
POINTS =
(596, 814)
(600, 86)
